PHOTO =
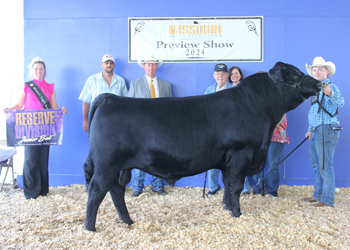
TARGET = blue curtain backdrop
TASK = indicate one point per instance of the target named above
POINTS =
(72, 36)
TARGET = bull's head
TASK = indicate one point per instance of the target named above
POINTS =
(287, 74)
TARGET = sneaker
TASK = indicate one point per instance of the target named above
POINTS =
(320, 204)
(246, 193)
(136, 193)
(270, 195)
(309, 199)
(214, 192)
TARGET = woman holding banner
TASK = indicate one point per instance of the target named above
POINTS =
(38, 94)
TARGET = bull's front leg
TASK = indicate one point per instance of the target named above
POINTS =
(226, 193)
(234, 188)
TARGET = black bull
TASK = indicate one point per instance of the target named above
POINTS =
(173, 138)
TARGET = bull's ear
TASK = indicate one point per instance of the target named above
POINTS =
(276, 72)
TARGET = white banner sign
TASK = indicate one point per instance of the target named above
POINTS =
(202, 39)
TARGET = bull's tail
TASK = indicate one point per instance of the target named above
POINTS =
(93, 109)
(89, 165)
(88, 169)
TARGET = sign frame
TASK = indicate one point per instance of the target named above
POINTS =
(34, 127)
(137, 26)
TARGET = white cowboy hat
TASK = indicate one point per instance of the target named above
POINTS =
(150, 59)
(320, 62)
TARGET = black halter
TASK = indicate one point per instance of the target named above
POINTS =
(295, 85)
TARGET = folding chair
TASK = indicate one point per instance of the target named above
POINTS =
(6, 161)
(8, 164)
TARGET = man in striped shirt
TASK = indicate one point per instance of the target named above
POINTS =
(100, 83)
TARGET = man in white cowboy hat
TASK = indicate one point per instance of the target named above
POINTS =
(148, 86)
(100, 83)
(323, 116)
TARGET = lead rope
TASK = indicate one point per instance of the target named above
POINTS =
(205, 182)
(281, 161)
(323, 156)
(320, 107)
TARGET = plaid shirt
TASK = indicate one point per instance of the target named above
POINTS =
(96, 85)
(330, 103)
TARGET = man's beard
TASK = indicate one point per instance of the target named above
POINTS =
(109, 70)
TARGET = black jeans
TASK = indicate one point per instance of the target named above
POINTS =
(36, 171)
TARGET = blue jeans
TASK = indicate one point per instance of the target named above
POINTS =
(139, 179)
(213, 179)
(246, 187)
(272, 181)
(325, 179)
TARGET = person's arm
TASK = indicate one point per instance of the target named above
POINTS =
(334, 95)
(54, 103)
(308, 134)
(18, 105)
(86, 108)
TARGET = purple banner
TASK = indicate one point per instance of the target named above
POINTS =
(34, 127)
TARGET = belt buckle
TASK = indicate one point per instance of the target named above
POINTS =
(337, 128)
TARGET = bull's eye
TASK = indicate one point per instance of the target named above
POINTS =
(290, 76)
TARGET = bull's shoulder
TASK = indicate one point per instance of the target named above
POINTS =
(107, 98)
(259, 82)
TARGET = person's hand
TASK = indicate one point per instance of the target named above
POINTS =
(327, 90)
(85, 126)
(308, 134)
(64, 110)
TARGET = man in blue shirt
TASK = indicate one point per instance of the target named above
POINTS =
(220, 76)
(100, 83)
(323, 116)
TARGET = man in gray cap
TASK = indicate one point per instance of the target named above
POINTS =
(220, 76)
(100, 83)
(148, 86)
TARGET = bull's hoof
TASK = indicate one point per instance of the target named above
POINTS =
(233, 212)
(236, 214)
(129, 222)
(226, 207)
(90, 228)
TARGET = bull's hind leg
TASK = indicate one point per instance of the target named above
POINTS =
(96, 195)
(118, 193)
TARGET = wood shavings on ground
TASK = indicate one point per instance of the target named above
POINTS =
(182, 219)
